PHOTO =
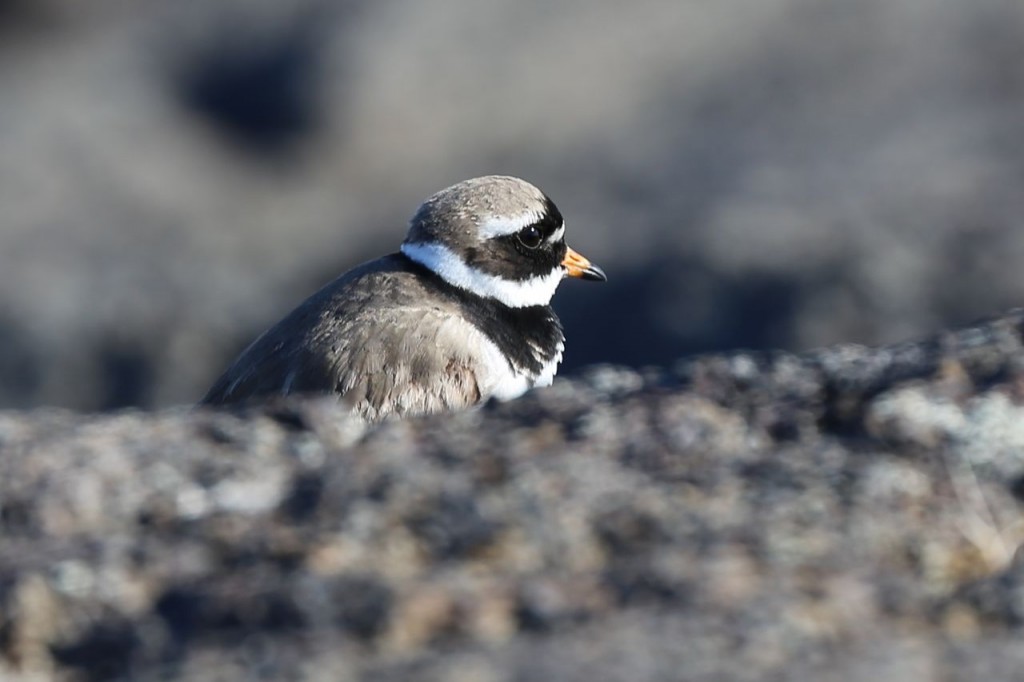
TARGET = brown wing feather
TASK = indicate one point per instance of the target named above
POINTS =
(371, 337)
(405, 361)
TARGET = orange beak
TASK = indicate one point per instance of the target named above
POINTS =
(577, 266)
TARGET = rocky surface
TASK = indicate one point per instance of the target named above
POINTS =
(844, 514)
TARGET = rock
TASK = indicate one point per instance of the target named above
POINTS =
(850, 513)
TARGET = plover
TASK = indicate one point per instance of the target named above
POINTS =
(460, 314)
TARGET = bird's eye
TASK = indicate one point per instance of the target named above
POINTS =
(530, 237)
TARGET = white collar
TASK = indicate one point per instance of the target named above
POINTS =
(513, 293)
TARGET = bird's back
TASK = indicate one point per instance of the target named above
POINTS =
(388, 337)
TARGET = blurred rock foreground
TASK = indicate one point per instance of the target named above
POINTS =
(175, 176)
(844, 514)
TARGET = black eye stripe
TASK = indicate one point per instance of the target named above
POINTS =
(512, 257)
(549, 222)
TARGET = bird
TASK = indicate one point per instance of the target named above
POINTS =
(459, 315)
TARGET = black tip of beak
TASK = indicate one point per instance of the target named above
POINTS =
(594, 274)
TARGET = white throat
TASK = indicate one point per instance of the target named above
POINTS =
(515, 294)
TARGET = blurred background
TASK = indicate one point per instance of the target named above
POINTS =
(174, 177)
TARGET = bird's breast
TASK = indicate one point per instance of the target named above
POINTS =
(503, 379)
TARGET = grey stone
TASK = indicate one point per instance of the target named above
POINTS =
(847, 513)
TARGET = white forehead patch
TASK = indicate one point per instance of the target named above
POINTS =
(557, 235)
(500, 226)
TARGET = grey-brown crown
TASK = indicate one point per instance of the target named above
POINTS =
(469, 212)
